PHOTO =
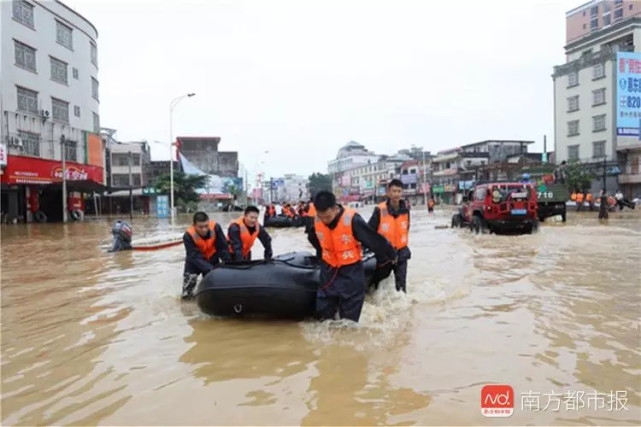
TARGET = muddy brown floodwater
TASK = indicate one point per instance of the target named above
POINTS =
(90, 337)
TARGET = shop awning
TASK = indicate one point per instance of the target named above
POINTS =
(84, 186)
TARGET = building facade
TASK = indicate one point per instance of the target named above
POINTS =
(203, 153)
(121, 156)
(49, 93)
(591, 106)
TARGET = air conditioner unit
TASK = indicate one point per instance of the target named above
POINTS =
(44, 113)
(15, 142)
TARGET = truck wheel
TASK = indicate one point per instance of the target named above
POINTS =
(563, 217)
(456, 220)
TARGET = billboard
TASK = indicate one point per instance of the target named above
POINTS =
(628, 93)
(32, 170)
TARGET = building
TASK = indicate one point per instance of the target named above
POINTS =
(203, 153)
(156, 169)
(123, 154)
(349, 156)
(49, 90)
(289, 188)
(596, 110)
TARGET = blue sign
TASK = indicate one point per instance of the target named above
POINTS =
(628, 93)
(162, 206)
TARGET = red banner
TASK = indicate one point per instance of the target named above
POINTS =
(32, 170)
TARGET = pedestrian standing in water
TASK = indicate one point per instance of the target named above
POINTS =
(205, 246)
(338, 235)
(391, 219)
(430, 205)
(603, 208)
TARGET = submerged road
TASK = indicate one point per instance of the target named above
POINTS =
(90, 337)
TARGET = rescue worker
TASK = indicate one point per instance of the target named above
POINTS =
(205, 246)
(287, 210)
(311, 216)
(270, 211)
(590, 200)
(243, 233)
(337, 235)
(573, 196)
(430, 205)
(603, 208)
(579, 200)
(392, 220)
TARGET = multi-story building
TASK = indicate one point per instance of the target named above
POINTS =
(596, 92)
(350, 156)
(121, 156)
(49, 91)
(202, 152)
(155, 169)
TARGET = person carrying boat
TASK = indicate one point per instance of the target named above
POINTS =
(205, 247)
(392, 220)
(270, 211)
(310, 216)
(242, 234)
(337, 236)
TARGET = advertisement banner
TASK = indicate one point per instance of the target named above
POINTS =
(32, 170)
(3, 154)
(628, 93)
(436, 189)
(425, 188)
(408, 179)
(94, 154)
(162, 206)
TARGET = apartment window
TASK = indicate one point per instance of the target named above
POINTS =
(618, 14)
(598, 149)
(76, 111)
(573, 103)
(631, 7)
(585, 26)
(94, 88)
(594, 24)
(573, 127)
(573, 152)
(94, 54)
(58, 70)
(60, 110)
(71, 151)
(27, 100)
(64, 35)
(30, 143)
(607, 20)
(598, 71)
(96, 122)
(75, 73)
(25, 56)
(618, 3)
(606, 7)
(23, 12)
(598, 96)
(573, 79)
(598, 123)
(594, 11)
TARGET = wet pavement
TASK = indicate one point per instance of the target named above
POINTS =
(90, 337)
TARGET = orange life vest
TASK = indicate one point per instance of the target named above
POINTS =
(246, 237)
(339, 245)
(312, 210)
(579, 197)
(588, 197)
(573, 197)
(271, 210)
(207, 247)
(395, 230)
(431, 203)
(288, 212)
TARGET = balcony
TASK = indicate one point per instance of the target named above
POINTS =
(629, 178)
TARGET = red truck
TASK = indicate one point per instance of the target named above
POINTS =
(499, 207)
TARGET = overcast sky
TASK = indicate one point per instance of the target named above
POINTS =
(301, 78)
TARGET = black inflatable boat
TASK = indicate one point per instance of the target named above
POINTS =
(282, 221)
(284, 287)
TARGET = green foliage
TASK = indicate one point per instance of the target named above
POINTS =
(185, 186)
(319, 182)
(579, 176)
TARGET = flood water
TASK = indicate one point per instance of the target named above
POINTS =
(90, 337)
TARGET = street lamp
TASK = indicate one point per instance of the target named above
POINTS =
(174, 102)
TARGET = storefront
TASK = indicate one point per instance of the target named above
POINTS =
(32, 188)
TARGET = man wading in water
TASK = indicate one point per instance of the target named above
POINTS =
(337, 236)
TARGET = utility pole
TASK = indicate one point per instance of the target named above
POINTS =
(63, 145)
(131, 197)
(605, 158)
(423, 180)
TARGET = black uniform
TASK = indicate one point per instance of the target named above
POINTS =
(603, 209)
(237, 244)
(344, 288)
(400, 268)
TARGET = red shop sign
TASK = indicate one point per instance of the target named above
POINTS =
(32, 170)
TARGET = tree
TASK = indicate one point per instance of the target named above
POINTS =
(185, 186)
(319, 182)
(579, 176)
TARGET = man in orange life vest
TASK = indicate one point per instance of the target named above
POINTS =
(270, 211)
(205, 246)
(337, 235)
(242, 234)
(392, 220)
